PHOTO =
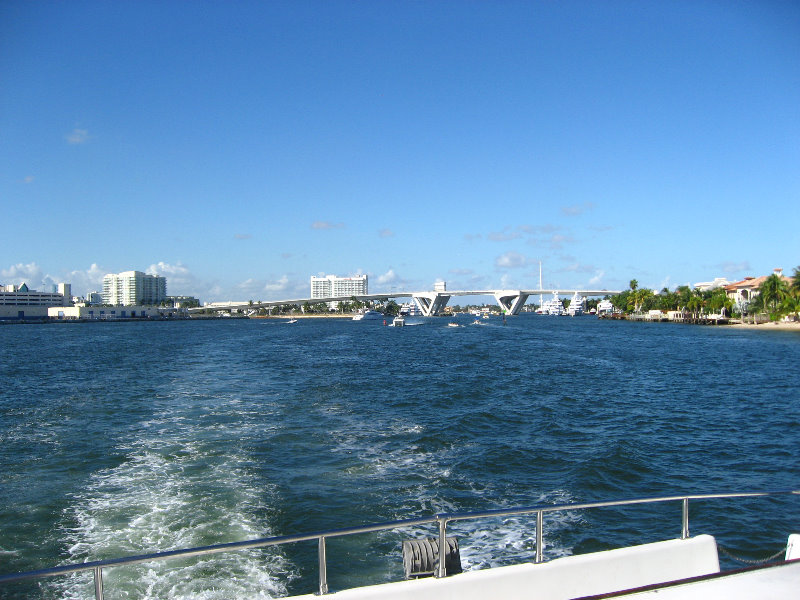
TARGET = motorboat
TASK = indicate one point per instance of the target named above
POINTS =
(290, 321)
(367, 315)
(687, 567)
(398, 322)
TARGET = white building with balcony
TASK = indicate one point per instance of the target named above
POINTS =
(330, 286)
(134, 288)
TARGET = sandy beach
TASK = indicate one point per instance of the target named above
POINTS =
(777, 326)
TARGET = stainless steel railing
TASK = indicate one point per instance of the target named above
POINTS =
(440, 519)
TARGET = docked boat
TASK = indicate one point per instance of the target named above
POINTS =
(554, 306)
(681, 568)
(577, 305)
(367, 315)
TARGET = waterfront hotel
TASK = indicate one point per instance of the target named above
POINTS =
(134, 288)
(331, 286)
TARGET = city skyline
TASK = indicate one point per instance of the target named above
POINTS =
(239, 149)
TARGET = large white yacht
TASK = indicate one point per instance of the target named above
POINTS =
(367, 315)
(554, 306)
(577, 305)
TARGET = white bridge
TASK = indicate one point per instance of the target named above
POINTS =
(430, 303)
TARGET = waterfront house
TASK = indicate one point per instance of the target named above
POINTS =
(742, 292)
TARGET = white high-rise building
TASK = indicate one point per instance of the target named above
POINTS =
(331, 286)
(133, 288)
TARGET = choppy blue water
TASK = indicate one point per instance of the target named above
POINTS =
(125, 438)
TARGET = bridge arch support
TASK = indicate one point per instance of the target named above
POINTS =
(431, 303)
(511, 301)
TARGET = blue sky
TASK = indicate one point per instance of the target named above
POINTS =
(240, 147)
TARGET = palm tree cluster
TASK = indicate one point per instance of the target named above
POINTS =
(692, 301)
(777, 297)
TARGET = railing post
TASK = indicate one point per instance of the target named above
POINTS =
(685, 520)
(98, 583)
(441, 567)
(323, 568)
(539, 534)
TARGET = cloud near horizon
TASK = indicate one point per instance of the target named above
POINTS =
(20, 273)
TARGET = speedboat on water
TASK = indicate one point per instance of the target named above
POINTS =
(367, 315)
(683, 568)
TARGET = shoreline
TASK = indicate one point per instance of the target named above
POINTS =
(775, 326)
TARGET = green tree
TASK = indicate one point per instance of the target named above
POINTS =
(773, 292)
(794, 287)
(392, 309)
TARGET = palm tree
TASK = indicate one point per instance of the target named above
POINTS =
(794, 287)
(772, 292)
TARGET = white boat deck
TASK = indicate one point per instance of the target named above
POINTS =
(560, 579)
(778, 582)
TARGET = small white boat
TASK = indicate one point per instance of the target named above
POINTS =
(398, 322)
(453, 324)
(290, 321)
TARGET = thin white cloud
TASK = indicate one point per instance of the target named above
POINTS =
(77, 136)
(598, 277)
(579, 268)
(503, 236)
(539, 229)
(577, 209)
(281, 285)
(510, 260)
(326, 225)
(732, 267)
(557, 241)
(388, 278)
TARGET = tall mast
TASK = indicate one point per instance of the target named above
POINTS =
(540, 283)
